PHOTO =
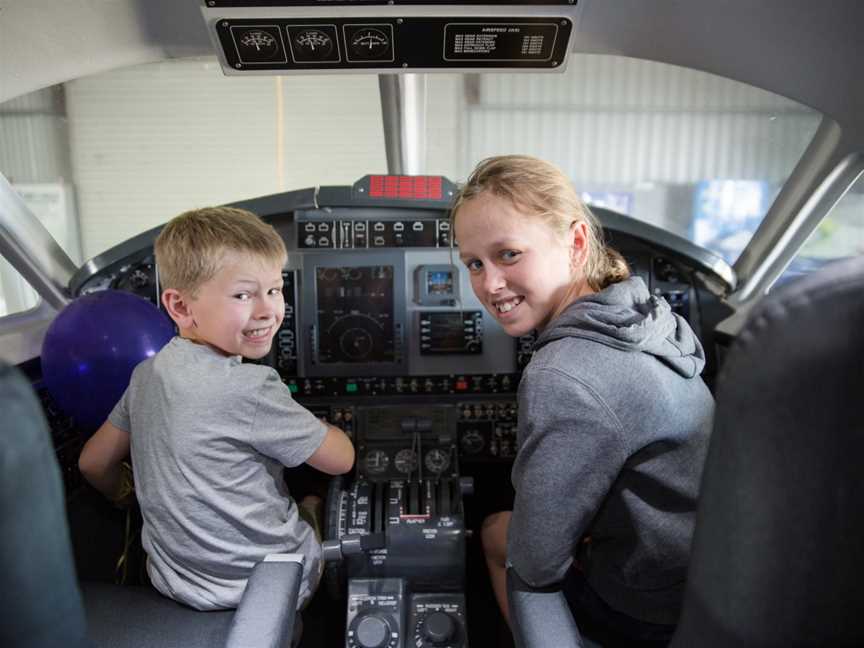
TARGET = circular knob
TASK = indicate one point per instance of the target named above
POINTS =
(372, 632)
(439, 627)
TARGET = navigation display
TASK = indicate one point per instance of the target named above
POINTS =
(355, 314)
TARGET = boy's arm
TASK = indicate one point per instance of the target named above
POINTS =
(335, 455)
(101, 459)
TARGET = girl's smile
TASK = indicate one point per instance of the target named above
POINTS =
(520, 269)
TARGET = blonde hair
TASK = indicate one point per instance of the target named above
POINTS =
(543, 190)
(190, 248)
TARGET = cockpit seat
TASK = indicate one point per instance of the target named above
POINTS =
(777, 557)
(43, 606)
(124, 616)
(41, 602)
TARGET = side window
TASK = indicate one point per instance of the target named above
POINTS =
(16, 295)
(53, 204)
(840, 235)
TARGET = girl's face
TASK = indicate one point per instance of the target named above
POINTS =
(521, 270)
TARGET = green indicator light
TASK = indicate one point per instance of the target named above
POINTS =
(293, 388)
(351, 388)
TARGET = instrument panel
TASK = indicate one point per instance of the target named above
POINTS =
(379, 312)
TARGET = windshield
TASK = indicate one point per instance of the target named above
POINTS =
(839, 236)
(695, 154)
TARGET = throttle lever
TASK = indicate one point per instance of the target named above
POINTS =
(349, 545)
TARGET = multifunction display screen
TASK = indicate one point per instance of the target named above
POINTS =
(451, 332)
(355, 314)
(439, 283)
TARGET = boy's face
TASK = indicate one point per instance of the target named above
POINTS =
(240, 309)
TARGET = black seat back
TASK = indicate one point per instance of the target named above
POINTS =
(778, 555)
(41, 601)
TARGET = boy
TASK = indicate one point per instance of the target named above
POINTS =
(208, 434)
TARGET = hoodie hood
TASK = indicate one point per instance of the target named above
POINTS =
(627, 317)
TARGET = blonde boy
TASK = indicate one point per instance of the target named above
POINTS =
(209, 434)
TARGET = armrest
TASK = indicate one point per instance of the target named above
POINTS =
(265, 616)
(540, 616)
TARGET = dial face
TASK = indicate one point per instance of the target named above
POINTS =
(356, 343)
(260, 41)
(437, 460)
(376, 462)
(258, 44)
(472, 442)
(313, 43)
(405, 461)
(370, 43)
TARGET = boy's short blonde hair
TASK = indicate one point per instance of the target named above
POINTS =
(190, 248)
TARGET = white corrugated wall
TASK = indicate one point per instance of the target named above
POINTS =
(151, 141)
(619, 121)
(34, 143)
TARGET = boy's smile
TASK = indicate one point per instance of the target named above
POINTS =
(240, 309)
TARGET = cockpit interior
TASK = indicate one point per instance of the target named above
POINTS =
(719, 145)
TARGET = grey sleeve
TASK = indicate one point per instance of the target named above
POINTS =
(570, 453)
(282, 428)
(119, 416)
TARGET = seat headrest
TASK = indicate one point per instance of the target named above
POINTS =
(778, 555)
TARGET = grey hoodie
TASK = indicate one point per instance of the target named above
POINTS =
(614, 421)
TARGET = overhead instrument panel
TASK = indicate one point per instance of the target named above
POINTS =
(267, 37)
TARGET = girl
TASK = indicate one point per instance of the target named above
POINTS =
(613, 416)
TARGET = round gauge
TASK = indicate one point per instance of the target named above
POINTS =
(472, 442)
(356, 343)
(260, 41)
(314, 43)
(370, 43)
(376, 462)
(405, 461)
(437, 460)
(356, 337)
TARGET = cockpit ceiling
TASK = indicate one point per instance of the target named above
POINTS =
(798, 49)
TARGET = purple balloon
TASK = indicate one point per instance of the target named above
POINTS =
(91, 348)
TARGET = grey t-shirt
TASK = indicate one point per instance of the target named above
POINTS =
(209, 438)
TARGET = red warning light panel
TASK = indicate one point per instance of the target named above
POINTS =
(404, 187)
